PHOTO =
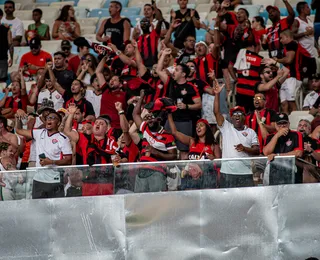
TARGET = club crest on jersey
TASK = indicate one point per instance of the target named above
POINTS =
(245, 134)
(184, 92)
(288, 143)
(160, 86)
(54, 141)
(58, 96)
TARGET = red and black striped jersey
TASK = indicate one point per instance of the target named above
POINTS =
(148, 48)
(132, 152)
(267, 116)
(161, 141)
(129, 70)
(247, 79)
(160, 89)
(205, 65)
(275, 47)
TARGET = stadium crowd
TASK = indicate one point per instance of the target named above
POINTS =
(154, 93)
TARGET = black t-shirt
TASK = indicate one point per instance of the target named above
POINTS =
(200, 84)
(291, 142)
(184, 93)
(292, 46)
(183, 57)
(65, 79)
(186, 27)
(314, 145)
(4, 45)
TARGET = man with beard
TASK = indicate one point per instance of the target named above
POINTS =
(52, 148)
(272, 41)
(157, 145)
(312, 100)
(238, 141)
(35, 59)
(66, 49)
(148, 42)
(186, 97)
(78, 93)
(311, 151)
(112, 93)
(282, 143)
(262, 119)
(270, 85)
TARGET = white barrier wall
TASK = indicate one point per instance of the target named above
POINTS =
(279, 222)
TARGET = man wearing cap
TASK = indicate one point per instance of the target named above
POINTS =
(83, 49)
(312, 100)
(282, 143)
(52, 148)
(272, 41)
(66, 48)
(35, 59)
(157, 145)
(238, 141)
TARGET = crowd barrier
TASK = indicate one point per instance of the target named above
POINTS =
(126, 178)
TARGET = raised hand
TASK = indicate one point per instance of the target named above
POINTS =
(218, 88)
(167, 51)
(172, 14)
(283, 132)
(118, 106)
(72, 108)
(212, 74)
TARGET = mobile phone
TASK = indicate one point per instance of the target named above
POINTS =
(42, 156)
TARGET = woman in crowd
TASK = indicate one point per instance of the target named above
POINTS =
(202, 146)
(66, 27)
(259, 31)
(87, 68)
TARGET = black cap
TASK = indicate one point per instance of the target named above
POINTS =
(46, 105)
(65, 44)
(35, 42)
(282, 117)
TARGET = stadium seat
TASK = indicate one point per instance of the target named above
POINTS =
(99, 12)
(211, 17)
(200, 34)
(88, 21)
(89, 4)
(23, 14)
(253, 10)
(100, 21)
(141, 3)
(265, 16)
(62, 4)
(34, 6)
(190, 6)
(88, 29)
(203, 8)
(50, 13)
(166, 3)
(131, 11)
(51, 46)
(263, 2)
(203, 16)
(280, 3)
(47, 1)
(81, 12)
(123, 2)
(196, 2)
(296, 116)
(164, 10)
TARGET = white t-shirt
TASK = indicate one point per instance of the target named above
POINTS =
(230, 138)
(307, 42)
(54, 147)
(94, 100)
(310, 99)
(16, 26)
(55, 97)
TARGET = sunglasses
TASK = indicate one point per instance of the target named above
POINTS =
(66, 49)
(258, 98)
(237, 114)
(51, 118)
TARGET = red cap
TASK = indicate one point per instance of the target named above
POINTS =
(237, 108)
(272, 7)
(201, 120)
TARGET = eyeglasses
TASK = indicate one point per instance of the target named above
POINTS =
(51, 118)
(66, 49)
(258, 98)
(268, 72)
(237, 114)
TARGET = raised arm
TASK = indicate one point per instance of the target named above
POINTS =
(141, 68)
(137, 111)
(291, 13)
(124, 58)
(11, 49)
(185, 139)
(18, 129)
(195, 18)
(23, 83)
(99, 72)
(73, 135)
(160, 71)
(123, 123)
(216, 106)
(100, 33)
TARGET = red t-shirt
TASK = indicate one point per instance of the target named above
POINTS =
(18, 102)
(37, 60)
(258, 35)
(74, 63)
(108, 99)
(132, 152)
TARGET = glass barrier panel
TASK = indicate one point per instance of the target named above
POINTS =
(13, 185)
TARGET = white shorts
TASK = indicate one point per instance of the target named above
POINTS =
(288, 89)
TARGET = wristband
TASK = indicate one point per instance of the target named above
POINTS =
(121, 113)
(118, 52)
